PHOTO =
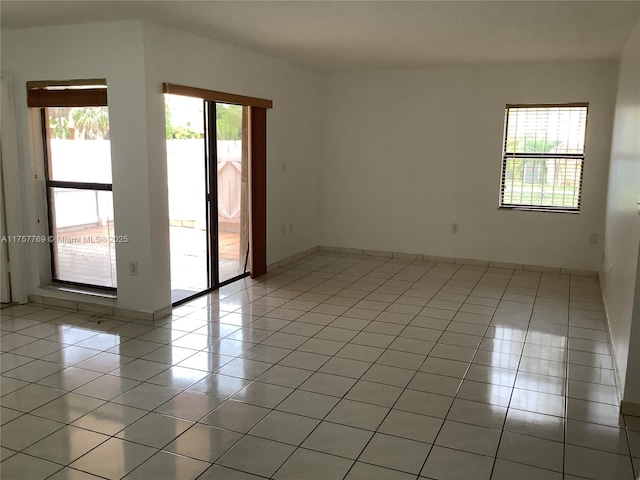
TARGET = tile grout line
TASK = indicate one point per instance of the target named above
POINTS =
(108, 401)
(406, 387)
(275, 409)
(334, 356)
(347, 392)
(565, 419)
(342, 397)
(495, 457)
(386, 279)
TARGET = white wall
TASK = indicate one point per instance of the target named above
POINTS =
(135, 59)
(292, 125)
(114, 51)
(631, 394)
(12, 196)
(408, 152)
(620, 273)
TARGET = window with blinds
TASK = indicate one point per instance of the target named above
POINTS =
(543, 157)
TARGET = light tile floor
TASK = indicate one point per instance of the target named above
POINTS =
(340, 366)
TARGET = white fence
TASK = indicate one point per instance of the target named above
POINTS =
(186, 179)
(90, 161)
(81, 161)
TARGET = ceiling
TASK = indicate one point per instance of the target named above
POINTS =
(372, 34)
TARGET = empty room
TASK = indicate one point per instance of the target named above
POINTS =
(320, 240)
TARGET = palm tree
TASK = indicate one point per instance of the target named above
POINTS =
(59, 122)
(92, 121)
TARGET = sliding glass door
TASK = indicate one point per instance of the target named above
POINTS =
(207, 168)
(231, 182)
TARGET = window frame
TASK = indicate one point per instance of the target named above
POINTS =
(41, 98)
(541, 155)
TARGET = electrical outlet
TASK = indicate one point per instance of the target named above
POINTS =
(133, 269)
(284, 229)
(454, 228)
(291, 228)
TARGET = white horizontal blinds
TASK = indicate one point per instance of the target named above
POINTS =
(546, 129)
(543, 156)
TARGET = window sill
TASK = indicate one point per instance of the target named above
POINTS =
(93, 292)
(537, 209)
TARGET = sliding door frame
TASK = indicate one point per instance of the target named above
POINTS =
(257, 135)
(211, 171)
(258, 191)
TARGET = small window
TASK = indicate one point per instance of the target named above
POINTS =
(543, 157)
(77, 152)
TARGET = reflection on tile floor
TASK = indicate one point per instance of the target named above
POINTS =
(339, 366)
(189, 273)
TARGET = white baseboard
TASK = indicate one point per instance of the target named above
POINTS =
(99, 308)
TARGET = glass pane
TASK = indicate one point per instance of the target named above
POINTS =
(83, 236)
(187, 195)
(80, 146)
(549, 182)
(546, 129)
(229, 129)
